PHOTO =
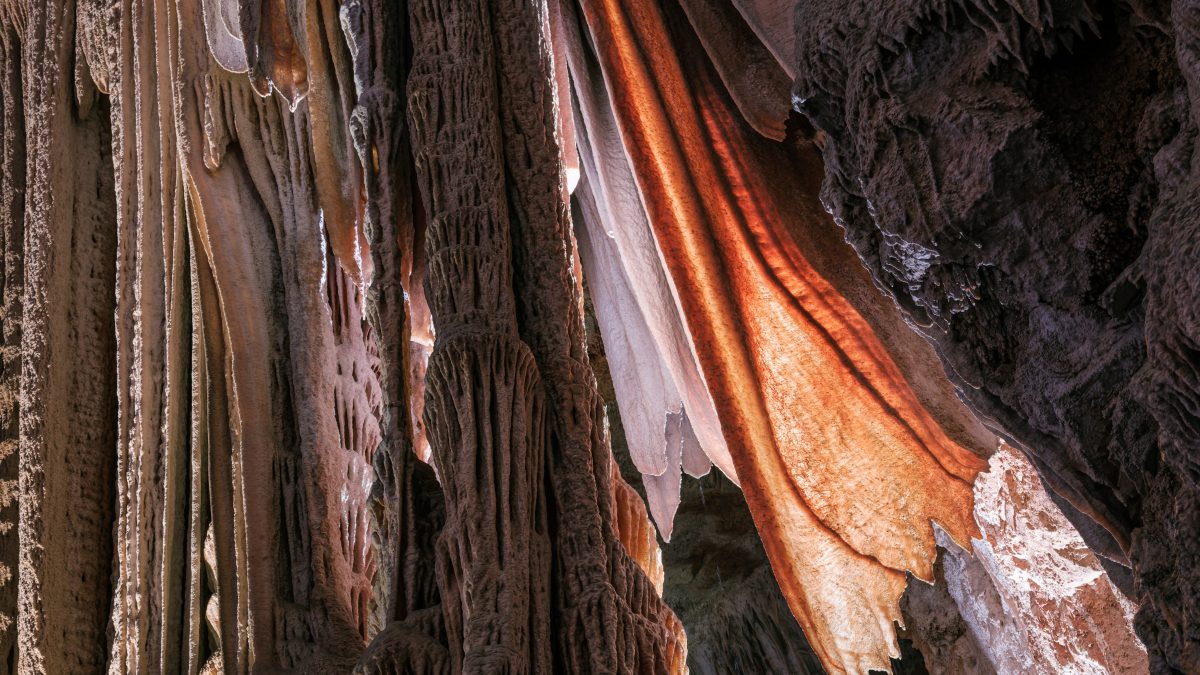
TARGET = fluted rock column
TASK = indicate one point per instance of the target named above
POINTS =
(532, 579)
(67, 376)
(485, 411)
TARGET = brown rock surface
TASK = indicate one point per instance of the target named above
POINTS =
(294, 374)
(226, 289)
(1020, 177)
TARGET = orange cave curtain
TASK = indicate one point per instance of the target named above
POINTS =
(844, 467)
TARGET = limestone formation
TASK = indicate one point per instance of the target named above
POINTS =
(1044, 577)
(402, 336)
(1020, 178)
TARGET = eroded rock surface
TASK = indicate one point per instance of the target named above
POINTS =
(215, 273)
(1020, 177)
(293, 374)
(1073, 617)
(1030, 595)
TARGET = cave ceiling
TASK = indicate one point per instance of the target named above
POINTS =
(599, 336)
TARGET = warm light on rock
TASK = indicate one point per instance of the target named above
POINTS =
(403, 336)
(843, 468)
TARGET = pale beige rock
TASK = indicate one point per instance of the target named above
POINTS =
(1036, 598)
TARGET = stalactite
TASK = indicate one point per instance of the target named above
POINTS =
(653, 357)
(646, 391)
(547, 403)
(706, 208)
(395, 311)
(67, 357)
(294, 374)
(251, 392)
(485, 411)
(269, 388)
(597, 578)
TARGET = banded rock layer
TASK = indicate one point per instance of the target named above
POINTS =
(294, 373)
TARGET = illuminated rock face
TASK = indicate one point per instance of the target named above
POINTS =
(1028, 597)
(1035, 597)
(293, 374)
(813, 408)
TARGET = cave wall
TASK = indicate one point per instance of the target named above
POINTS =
(293, 374)
(1020, 178)
(224, 246)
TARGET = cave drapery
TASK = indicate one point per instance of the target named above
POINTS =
(295, 374)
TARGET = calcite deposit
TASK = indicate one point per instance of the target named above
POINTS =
(793, 361)
(406, 336)
(1059, 610)
(1021, 178)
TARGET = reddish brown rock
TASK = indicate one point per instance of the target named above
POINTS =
(293, 374)
(743, 285)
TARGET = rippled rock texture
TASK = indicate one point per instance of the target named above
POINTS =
(294, 373)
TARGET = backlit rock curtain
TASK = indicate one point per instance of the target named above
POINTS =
(843, 465)
(293, 374)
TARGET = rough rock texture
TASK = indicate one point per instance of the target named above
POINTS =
(66, 347)
(1074, 619)
(532, 564)
(938, 630)
(1021, 178)
(12, 278)
(293, 363)
(215, 329)
(1029, 597)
